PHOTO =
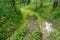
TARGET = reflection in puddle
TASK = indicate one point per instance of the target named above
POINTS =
(46, 28)
(49, 27)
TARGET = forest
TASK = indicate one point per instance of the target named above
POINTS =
(29, 19)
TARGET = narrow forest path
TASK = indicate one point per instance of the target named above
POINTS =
(32, 25)
(40, 22)
(35, 27)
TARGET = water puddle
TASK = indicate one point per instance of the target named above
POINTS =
(49, 27)
(46, 29)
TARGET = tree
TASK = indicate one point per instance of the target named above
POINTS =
(12, 3)
(55, 4)
(41, 3)
(28, 2)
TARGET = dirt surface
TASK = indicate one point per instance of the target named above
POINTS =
(32, 25)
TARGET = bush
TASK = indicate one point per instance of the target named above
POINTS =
(9, 19)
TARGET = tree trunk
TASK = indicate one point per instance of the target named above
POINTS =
(13, 6)
(28, 2)
(41, 4)
(55, 4)
(12, 3)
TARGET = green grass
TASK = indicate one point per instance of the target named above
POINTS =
(55, 35)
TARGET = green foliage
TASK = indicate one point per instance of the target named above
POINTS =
(36, 35)
(9, 19)
(19, 35)
(55, 36)
(47, 12)
(50, 14)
